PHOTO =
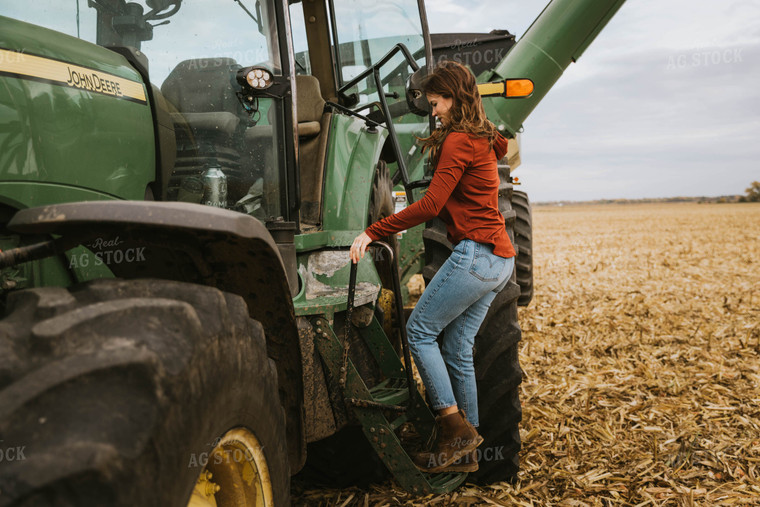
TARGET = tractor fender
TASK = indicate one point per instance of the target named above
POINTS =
(198, 244)
(352, 158)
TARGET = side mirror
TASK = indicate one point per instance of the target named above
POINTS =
(158, 9)
(415, 97)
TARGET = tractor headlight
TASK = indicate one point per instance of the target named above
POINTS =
(255, 78)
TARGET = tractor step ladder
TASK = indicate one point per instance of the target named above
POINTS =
(383, 408)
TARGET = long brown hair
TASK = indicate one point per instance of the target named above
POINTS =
(453, 80)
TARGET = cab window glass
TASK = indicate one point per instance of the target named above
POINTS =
(300, 43)
(227, 155)
(366, 31)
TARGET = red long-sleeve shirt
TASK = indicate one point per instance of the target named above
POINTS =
(464, 193)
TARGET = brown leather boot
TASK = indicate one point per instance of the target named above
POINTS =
(456, 437)
(467, 463)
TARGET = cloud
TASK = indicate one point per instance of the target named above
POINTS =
(449, 16)
(663, 103)
(645, 125)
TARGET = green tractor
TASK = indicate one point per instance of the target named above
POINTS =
(179, 185)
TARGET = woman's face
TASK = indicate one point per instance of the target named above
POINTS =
(440, 106)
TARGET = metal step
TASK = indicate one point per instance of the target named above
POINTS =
(445, 481)
(396, 423)
(369, 406)
(392, 391)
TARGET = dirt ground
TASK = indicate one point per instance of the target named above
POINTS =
(640, 351)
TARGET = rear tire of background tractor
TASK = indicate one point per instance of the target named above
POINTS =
(497, 369)
(343, 459)
(118, 392)
(381, 205)
(524, 243)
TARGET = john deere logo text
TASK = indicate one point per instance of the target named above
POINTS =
(93, 82)
(21, 65)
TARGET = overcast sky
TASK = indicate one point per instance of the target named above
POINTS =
(665, 102)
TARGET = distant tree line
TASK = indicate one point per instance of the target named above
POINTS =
(648, 200)
(753, 193)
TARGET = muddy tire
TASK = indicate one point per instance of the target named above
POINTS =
(524, 244)
(119, 391)
(497, 369)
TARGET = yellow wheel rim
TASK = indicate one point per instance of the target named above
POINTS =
(236, 474)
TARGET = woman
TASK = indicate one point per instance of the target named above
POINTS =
(464, 194)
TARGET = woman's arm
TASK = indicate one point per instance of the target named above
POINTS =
(457, 153)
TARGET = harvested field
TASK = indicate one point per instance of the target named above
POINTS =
(641, 352)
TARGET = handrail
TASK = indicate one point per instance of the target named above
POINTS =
(375, 71)
(412, 386)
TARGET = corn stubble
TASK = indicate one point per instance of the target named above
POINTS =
(641, 352)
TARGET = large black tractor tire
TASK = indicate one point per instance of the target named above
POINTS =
(118, 392)
(524, 244)
(497, 369)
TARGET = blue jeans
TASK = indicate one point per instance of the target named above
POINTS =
(455, 301)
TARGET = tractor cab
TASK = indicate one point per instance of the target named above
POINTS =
(374, 50)
(214, 147)
(244, 92)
